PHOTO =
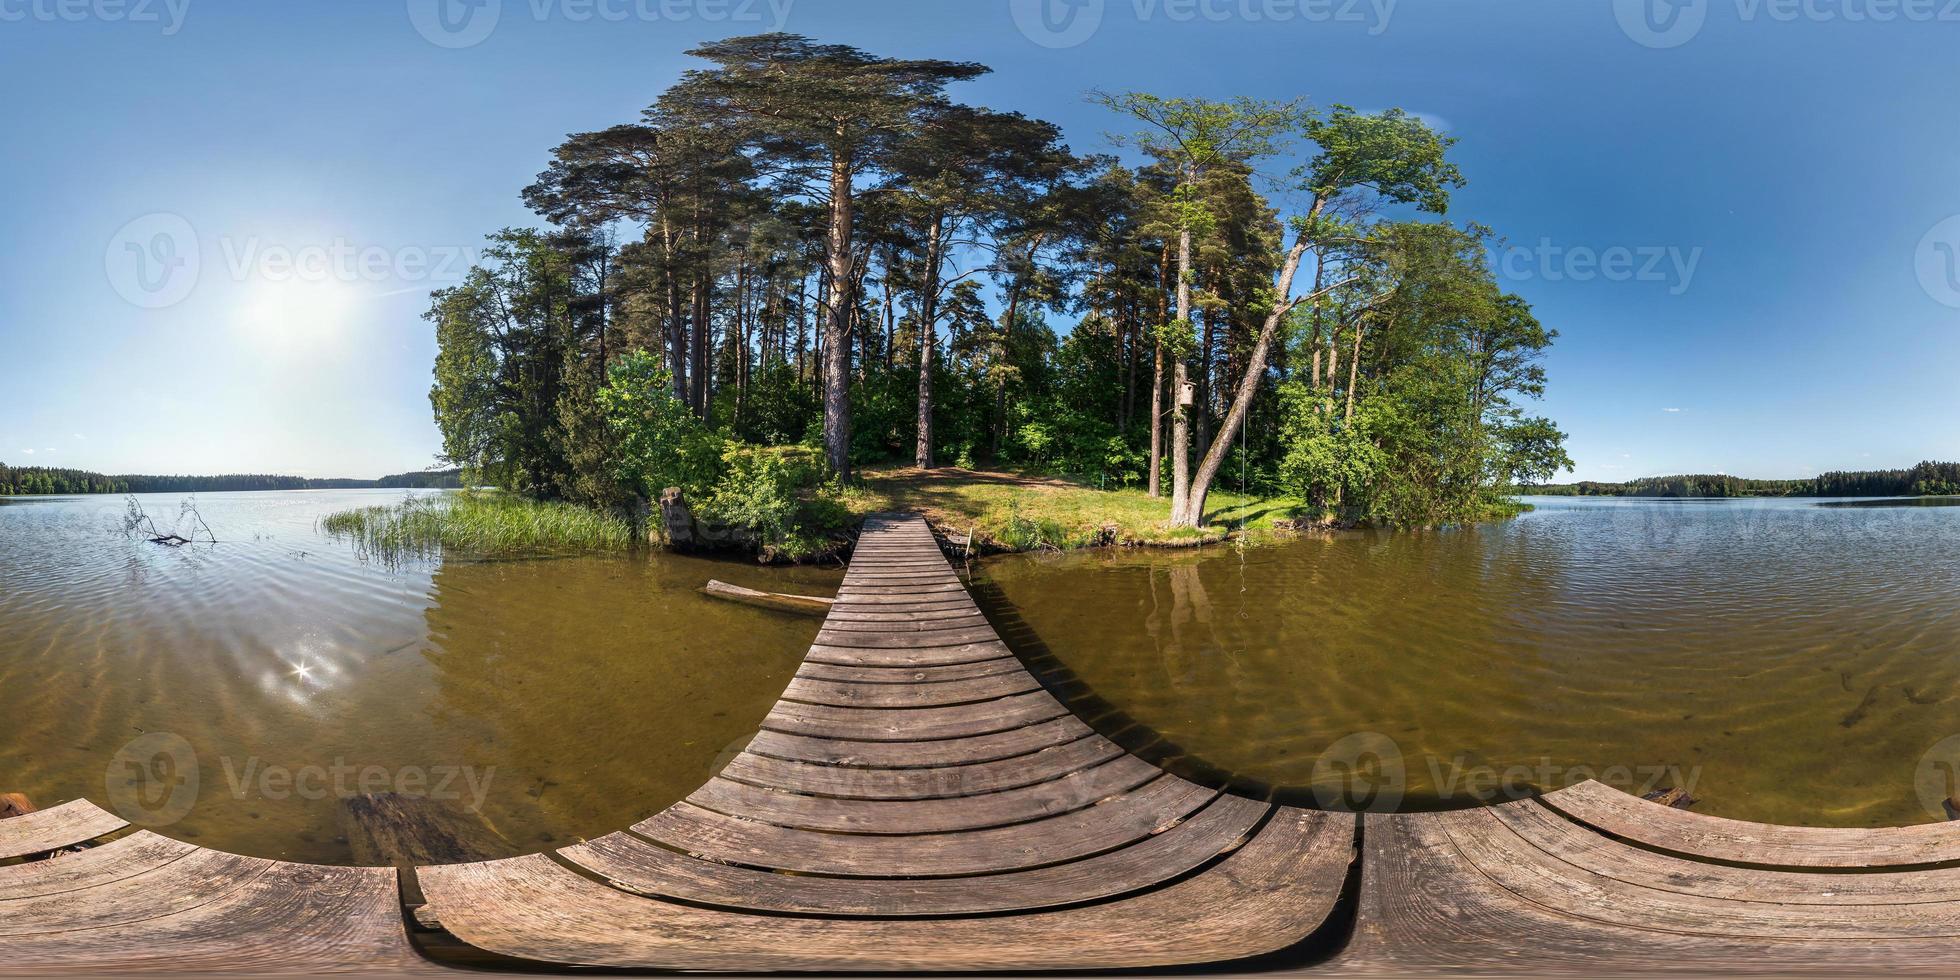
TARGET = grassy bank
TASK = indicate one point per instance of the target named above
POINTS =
(479, 525)
(1018, 512)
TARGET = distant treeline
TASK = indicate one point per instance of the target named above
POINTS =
(35, 480)
(1925, 480)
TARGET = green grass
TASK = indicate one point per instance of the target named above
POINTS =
(1020, 512)
(478, 525)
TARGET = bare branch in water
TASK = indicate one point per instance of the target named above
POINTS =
(136, 523)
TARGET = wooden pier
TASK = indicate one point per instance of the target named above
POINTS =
(917, 801)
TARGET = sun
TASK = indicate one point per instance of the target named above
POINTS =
(296, 313)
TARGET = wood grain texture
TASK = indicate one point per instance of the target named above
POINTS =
(1520, 889)
(648, 869)
(56, 827)
(1716, 838)
(1267, 895)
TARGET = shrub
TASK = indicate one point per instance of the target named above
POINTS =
(661, 443)
(780, 494)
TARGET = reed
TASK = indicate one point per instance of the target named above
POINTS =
(478, 525)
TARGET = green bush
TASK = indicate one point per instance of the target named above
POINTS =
(781, 494)
(661, 443)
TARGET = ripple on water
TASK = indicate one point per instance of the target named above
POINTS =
(1796, 661)
(561, 699)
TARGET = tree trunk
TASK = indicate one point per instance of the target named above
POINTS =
(676, 317)
(1180, 376)
(1157, 378)
(1248, 387)
(1354, 367)
(928, 339)
(837, 328)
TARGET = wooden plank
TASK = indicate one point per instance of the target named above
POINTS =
(934, 636)
(1115, 823)
(1542, 878)
(188, 882)
(854, 592)
(647, 869)
(920, 755)
(921, 784)
(925, 695)
(909, 675)
(1426, 906)
(1073, 791)
(1268, 895)
(925, 656)
(127, 857)
(913, 724)
(288, 918)
(1700, 835)
(56, 827)
(910, 624)
(908, 615)
(1586, 849)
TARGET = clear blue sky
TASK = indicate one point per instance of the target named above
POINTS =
(1799, 159)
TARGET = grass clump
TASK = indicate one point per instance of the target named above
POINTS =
(478, 525)
(1021, 512)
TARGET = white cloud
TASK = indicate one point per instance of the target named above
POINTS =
(29, 452)
(1670, 410)
(81, 437)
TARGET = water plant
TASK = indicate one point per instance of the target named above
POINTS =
(478, 524)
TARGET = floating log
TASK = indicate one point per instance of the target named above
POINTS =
(808, 605)
(392, 829)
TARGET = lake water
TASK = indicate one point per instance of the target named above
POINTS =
(1798, 663)
(233, 694)
(1792, 662)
